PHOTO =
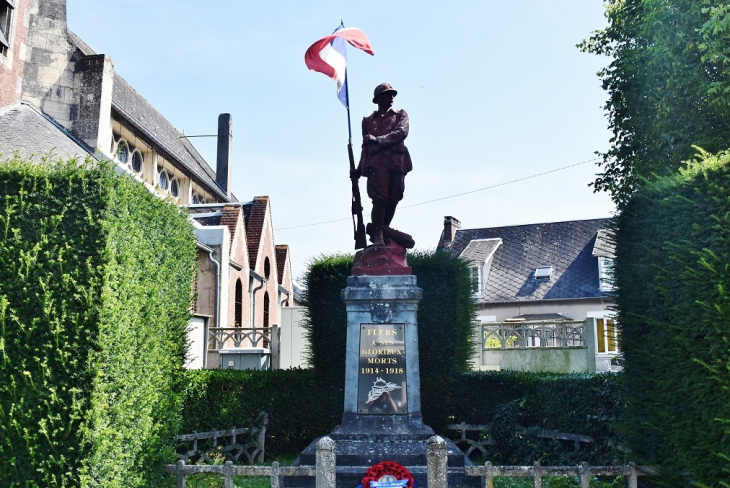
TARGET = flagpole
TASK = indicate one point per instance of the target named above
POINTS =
(357, 219)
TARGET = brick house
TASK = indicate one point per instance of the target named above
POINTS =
(543, 294)
(58, 96)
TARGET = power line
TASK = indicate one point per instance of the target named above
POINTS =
(457, 194)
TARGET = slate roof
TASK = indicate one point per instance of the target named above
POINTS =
(26, 130)
(133, 108)
(566, 246)
(254, 214)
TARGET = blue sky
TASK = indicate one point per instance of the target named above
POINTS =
(495, 91)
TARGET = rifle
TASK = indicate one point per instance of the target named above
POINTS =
(359, 227)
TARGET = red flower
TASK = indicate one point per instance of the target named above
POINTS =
(387, 467)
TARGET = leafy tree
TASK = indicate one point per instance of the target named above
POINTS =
(668, 87)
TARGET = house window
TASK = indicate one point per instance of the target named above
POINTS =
(137, 161)
(605, 274)
(164, 180)
(267, 268)
(6, 15)
(238, 308)
(606, 336)
(123, 151)
(174, 188)
(476, 280)
(266, 316)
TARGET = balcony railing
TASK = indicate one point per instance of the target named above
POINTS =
(507, 335)
(235, 337)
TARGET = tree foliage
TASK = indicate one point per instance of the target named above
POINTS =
(668, 84)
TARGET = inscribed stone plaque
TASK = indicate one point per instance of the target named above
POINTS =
(382, 370)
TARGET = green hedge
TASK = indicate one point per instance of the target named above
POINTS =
(673, 276)
(508, 401)
(299, 411)
(95, 284)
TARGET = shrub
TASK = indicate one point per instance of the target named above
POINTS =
(507, 401)
(95, 284)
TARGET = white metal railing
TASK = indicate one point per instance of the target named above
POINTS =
(507, 335)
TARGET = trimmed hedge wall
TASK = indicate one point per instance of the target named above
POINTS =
(673, 276)
(445, 324)
(95, 284)
(299, 411)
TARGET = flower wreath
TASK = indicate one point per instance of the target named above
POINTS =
(392, 468)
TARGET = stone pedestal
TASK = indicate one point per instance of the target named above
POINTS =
(382, 412)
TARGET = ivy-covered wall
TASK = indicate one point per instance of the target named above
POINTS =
(95, 287)
(673, 276)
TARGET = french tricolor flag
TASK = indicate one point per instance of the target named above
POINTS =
(329, 56)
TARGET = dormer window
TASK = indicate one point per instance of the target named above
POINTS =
(475, 272)
(544, 273)
(605, 274)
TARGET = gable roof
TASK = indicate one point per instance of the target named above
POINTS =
(229, 217)
(566, 246)
(25, 129)
(282, 253)
(255, 214)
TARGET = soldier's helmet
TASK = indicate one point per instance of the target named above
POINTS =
(383, 88)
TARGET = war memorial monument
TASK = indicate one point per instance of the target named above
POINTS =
(382, 406)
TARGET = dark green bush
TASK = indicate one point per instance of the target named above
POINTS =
(299, 411)
(509, 402)
(95, 283)
(673, 275)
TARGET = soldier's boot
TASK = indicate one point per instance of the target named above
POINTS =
(405, 240)
(375, 228)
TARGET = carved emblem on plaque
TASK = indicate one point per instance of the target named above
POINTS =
(380, 386)
(381, 313)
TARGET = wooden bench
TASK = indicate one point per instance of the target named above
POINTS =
(233, 444)
(470, 437)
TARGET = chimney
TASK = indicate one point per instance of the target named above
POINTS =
(451, 225)
(92, 123)
(225, 146)
(48, 72)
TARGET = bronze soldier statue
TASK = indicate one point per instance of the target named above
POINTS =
(385, 161)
